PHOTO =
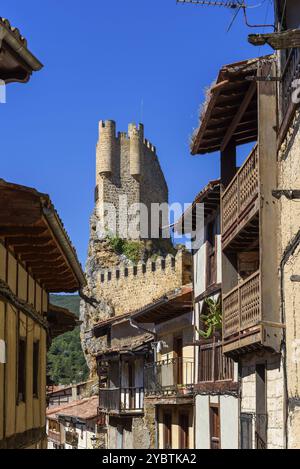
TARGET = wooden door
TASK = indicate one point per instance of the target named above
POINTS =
(184, 431)
(261, 406)
(215, 441)
(167, 423)
(178, 366)
(131, 385)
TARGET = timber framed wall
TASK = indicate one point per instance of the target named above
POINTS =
(22, 421)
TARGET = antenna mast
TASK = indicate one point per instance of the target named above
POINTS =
(214, 3)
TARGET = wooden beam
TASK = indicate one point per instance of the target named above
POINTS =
(22, 230)
(35, 252)
(27, 241)
(242, 109)
(54, 273)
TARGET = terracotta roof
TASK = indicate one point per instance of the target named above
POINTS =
(31, 227)
(17, 62)
(83, 409)
(15, 31)
(134, 343)
(210, 197)
(171, 305)
(63, 387)
(234, 92)
(61, 320)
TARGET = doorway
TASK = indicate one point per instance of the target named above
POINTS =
(178, 365)
(167, 436)
(184, 430)
(214, 413)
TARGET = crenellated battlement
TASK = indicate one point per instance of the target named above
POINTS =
(141, 268)
(130, 287)
(107, 131)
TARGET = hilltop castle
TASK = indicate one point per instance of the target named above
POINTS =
(126, 274)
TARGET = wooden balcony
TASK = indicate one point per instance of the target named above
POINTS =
(242, 314)
(55, 437)
(173, 376)
(215, 370)
(121, 400)
(290, 73)
(240, 200)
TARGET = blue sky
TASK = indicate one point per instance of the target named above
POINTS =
(102, 59)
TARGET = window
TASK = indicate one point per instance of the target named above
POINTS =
(21, 370)
(35, 369)
(214, 412)
(261, 406)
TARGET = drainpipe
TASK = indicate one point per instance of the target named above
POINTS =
(289, 251)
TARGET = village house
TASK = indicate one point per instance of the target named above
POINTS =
(169, 374)
(37, 259)
(286, 42)
(63, 394)
(216, 386)
(252, 323)
(75, 426)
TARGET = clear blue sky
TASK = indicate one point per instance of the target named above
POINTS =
(101, 59)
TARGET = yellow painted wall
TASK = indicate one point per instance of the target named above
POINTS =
(19, 417)
(187, 350)
(175, 411)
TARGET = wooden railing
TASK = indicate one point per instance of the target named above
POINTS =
(121, 399)
(290, 73)
(54, 436)
(173, 374)
(241, 192)
(213, 365)
(241, 306)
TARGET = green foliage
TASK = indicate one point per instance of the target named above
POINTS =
(212, 320)
(131, 249)
(66, 362)
(117, 243)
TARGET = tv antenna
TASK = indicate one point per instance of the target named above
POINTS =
(236, 5)
(214, 3)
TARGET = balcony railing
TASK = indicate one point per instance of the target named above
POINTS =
(213, 365)
(174, 375)
(121, 400)
(54, 436)
(290, 73)
(240, 194)
(241, 306)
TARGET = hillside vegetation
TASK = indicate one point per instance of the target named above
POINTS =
(66, 362)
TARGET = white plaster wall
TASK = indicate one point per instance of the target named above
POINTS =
(219, 258)
(229, 417)
(229, 421)
(199, 261)
(202, 422)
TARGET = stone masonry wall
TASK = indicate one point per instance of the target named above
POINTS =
(274, 386)
(129, 288)
(289, 178)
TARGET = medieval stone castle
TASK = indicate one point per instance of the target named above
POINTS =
(126, 166)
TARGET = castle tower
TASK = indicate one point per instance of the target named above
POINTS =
(127, 172)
